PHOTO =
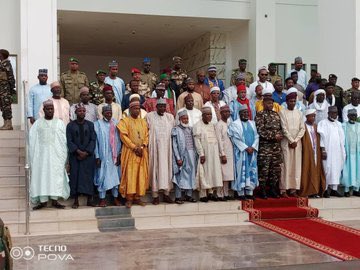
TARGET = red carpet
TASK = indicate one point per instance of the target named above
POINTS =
(294, 219)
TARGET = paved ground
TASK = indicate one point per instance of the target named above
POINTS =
(192, 248)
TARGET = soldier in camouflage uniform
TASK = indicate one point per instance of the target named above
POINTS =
(354, 87)
(269, 155)
(96, 88)
(7, 89)
(144, 89)
(177, 76)
(273, 76)
(249, 78)
(147, 76)
(339, 95)
(72, 81)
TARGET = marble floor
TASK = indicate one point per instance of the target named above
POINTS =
(191, 248)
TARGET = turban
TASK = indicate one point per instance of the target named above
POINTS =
(291, 93)
(206, 109)
(267, 91)
(79, 106)
(352, 111)
(182, 113)
(188, 96)
(164, 76)
(107, 108)
(135, 70)
(54, 84)
(224, 108)
(134, 104)
(107, 88)
(310, 111)
(160, 86)
(332, 109)
(215, 88)
(84, 89)
(241, 87)
(161, 101)
(48, 102)
(212, 68)
(43, 71)
(113, 63)
(319, 91)
(134, 96)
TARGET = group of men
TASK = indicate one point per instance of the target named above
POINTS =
(170, 132)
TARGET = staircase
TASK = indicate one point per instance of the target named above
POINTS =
(112, 219)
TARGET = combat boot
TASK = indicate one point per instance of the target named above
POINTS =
(7, 125)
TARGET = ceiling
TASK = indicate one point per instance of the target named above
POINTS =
(90, 33)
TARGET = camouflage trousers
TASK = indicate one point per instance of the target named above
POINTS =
(5, 102)
(269, 163)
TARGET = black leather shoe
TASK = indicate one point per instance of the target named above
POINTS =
(347, 194)
(335, 193)
(273, 194)
(242, 198)
(249, 197)
(263, 195)
(204, 199)
(356, 193)
(326, 194)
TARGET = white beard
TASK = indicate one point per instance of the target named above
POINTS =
(184, 125)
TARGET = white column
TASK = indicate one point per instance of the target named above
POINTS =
(38, 26)
(262, 34)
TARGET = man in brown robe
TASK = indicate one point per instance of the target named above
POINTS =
(312, 177)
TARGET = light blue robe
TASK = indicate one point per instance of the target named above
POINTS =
(118, 86)
(351, 171)
(37, 95)
(235, 107)
(246, 170)
(108, 175)
(48, 155)
(184, 176)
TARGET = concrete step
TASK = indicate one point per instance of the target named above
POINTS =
(12, 142)
(12, 170)
(11, 151)
(11, 160)
(12, 190)
(115, 222)
(117, 229)
(112, 211)
(12, 134)
(13, 215)
(14, 202)
(12, 180)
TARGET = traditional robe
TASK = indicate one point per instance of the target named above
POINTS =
(150, 105)
(91, 112)
(48, 155)
(82, 137)
(160, 150)
(299, 106)
(61, 110)
(215, 110)
(184, 149)
(312, 173)
(108, 175)
(37, 95)
(198, 101)
(225, 149)
(347, 108)
(134, 169)
(116, 111)
(351, 172)
(244, 135)
(118, 87)
(208, 175)
(332, 138)
(194, 116)
(142, 114)
(293, 128)
(235, 108)
(321, 110)
(203, 90)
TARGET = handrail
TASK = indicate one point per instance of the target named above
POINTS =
(27, 166)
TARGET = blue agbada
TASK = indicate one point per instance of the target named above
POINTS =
(184, 176)
(243, 134)
(351, 172)
(37, 95)
(81, 136)
(108, 175)
(235, 108)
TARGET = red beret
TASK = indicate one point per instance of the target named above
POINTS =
(135, 70)
(107, 88)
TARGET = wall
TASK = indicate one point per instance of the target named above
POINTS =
(90, 63)
(10, 40)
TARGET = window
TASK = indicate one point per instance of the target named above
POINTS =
(304, 66)
(281, 70)
(313, 66)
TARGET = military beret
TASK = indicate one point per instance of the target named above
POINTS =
(332, 76)
(73, 60)
(242, 61)
(100, 71)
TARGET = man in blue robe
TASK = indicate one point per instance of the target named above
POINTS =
(245, 138)
(81, 140)
(107, 154)
(351, 172)
(184, 159)
(37, 95)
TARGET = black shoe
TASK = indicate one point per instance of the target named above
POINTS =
(213, 198)
(335, 193)
(242, 198)
(229, 198)
(221, 199)
(326, 194)
(179, 201)
(262, 194)
(190, 199)
(250, 197)
(273, 194)
(347, 194)
(204, 199)
(356, 193)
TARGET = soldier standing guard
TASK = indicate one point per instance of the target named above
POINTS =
(72, 81)
(268, 125)
(147, 76)
(177, 76)
(7, 89)
(249, 78)
(96, 88)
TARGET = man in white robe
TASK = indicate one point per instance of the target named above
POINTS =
(226, 153)
(160, 124)
(208, 173)
(332, 143)
(320, 105)
(61, 105)
(48, 155)
(355, 101)
(193, 113)
(293, 129)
